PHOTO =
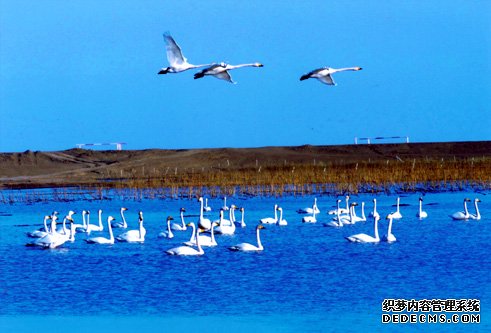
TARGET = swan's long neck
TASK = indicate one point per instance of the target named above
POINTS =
(83, 219)
(100, 219)
(124, 220)
(109, 227)
(72, 232)
(363, 211)
(221, 217)
(64, 226)
(53, 224)
(169, 232)
(478, 215)
(193, 234)
(334, 70)
(281, 216)
(182, 220)
(398, 200)
(275, 213)
(200, 250)
(231, 215)
(466, 212)
(229, 67)
(45, 223)
(258, 238)
(242, 219)
(420, 206)
(347, 204)
(374, 207)
(140, 229)
(201, 209)
(351, 213)
(375, 227)
(389, 229)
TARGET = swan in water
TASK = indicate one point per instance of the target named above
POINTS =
(374, 212)
(421, 214)
(182, 226)
(206, 207)
(271, 220)
(92, 227)
(220, 71)
(134, 236)
(341, 210)
(204, 240)
(462, 215)
(310, 210)
(310, 218)
(249, 247)
(178, 63)
(357, 218)
(53, 239)
(42, 232)
(281, 221)
(122, 224)
(324, 74)
(397, 214)
(63, 230)
(224, 227)
(167, 233)
(203, 223)
(187, 250)
(81, 227)
(104, 240)
(364, 238)
(476, 216)
(341, 220)
(242, 223)
(389, 237)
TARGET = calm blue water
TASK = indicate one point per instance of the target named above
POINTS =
(308, 278)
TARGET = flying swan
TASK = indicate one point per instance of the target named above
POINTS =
(324, 74)
(220, 71)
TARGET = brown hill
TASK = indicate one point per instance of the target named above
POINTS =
(89, 167)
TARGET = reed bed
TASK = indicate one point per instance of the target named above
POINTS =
(334, 178)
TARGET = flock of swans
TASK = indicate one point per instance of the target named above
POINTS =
(204, 230)
(178, 63)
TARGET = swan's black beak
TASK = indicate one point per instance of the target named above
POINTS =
(163, 71)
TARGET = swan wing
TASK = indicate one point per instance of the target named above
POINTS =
(183, 251)
(174, 53)
(361, 238)
(327, 79)
(224, 75)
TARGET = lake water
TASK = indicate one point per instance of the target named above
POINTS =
(309, 278)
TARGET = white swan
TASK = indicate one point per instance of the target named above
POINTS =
(167, 233)
(270, 220)
(311, 218)
(462, 215)
(53, 239)
(182, 226)
(82, 227)
(134, 236)
(204, 240)
(364, 238)
(224, 227)
(63, 230)
(178, 63)
(336, 222)
(242, 223)
(187, 250)
(324, 74)
(389, 237)
(310, 210)
(421, 214)
(42, 232)
(374, 212)
(104, 240)
(220, 71)
(123, 223)
(341, 210)
(249, 247)
(206, 207)
(92, 227)
(281, 221)
(476, 216)
(397, 214)
(203, 223)
(357, 218)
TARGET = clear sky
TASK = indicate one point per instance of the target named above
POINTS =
(86, 72)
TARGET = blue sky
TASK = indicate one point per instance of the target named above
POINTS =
(86, 71)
